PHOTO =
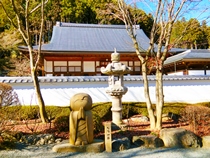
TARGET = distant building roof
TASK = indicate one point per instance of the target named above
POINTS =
(190, 55)
(72, 37)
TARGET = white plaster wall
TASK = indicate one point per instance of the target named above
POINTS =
(59, 93)
(192, 72)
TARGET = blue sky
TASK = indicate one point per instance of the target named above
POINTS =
(199, 9)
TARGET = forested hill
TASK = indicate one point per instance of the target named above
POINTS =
(195, 35)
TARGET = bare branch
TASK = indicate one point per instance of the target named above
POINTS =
(179, 9)
(129, 27)
(27, 20)
(40, 35)
(154, 26)
(38, 6)
(20, 26)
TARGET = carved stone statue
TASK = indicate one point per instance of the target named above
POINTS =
(81, 120)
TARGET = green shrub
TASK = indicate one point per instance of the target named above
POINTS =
(29, 112)
(206, 104)
(56, 111)
(175, 108)
(32, 111)
(62, 123)
(101, 112)
(133, 108)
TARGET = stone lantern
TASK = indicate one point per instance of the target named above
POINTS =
(116, 88)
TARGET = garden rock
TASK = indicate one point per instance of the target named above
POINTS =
(139, 118)
(170, 116)
(148, 141)
(206, 142)
(40, 139)
(121, 144)
(178, 137)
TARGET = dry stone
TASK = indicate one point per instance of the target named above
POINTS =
(147, 141)
(41, 139)
(178, 137)
(121, 144)
(138, 118)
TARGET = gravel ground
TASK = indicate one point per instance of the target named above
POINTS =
(45, 151)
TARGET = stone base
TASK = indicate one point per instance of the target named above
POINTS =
(206, 141)
(95, 147)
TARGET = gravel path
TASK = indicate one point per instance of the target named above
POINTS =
(45, 151)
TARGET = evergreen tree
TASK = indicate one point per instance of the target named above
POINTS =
(5, 63)
(205, 43)
(190, 34)
(194, 34)
(77, 11)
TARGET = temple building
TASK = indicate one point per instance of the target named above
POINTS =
(82, 49)
(189, 62)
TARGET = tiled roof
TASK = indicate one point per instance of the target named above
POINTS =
(92, 37)
(71, 37)
(198, 54)
(95, 79)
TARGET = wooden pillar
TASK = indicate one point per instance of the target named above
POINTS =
(185, 72)
(205, 69)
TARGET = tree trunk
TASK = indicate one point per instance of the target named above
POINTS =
(24, 29)
(42, 111)
(159, 98)
(147, 96)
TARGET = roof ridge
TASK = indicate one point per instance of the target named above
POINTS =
(180, 54)
(47, 79)
(65, 24)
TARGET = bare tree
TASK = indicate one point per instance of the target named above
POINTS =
(8, 96)
(164, 18)
(22, 13)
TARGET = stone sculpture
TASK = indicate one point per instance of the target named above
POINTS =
(116, 88)
(81, 120)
